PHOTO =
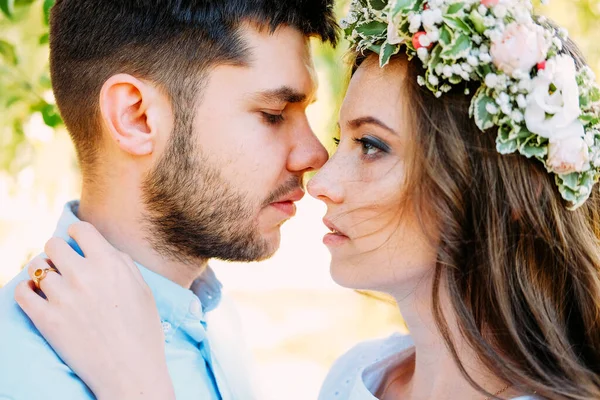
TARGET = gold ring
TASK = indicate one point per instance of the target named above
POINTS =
(40, 273)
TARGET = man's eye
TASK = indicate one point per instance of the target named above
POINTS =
(272, 119)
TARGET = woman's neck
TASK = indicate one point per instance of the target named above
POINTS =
(432, 373)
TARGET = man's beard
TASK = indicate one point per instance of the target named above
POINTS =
(193, 213)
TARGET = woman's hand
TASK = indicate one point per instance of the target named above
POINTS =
(100, 317)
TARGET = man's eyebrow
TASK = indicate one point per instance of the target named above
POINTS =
(358, 122)
(284, 94)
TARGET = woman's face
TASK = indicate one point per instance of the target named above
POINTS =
(376, 242)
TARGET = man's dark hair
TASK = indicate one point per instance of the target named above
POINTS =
(170, 42)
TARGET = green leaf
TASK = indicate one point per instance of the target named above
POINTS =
(459, 24)
(477, 21)
(387, 51)
(455, 8)
(44, 38)
(434, 59)
(403, 6)
(47, 6)
(12, 100)
(483, 118)
(533, 151)
(373, 28)
(506, 147)
(458, 48)
(445, 35)
(571, 180)
(51, 116)
(7, 7)
(377, 4)
(8, 53)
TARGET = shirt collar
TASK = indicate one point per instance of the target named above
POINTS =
(179, 308)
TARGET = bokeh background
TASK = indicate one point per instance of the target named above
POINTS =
(297, 321)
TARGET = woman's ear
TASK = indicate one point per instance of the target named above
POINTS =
(134, 114)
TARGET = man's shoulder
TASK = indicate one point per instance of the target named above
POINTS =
(29, 367)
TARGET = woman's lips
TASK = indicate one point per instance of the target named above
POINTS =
(335, 237)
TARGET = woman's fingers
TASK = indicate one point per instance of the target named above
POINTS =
(91, 242)
(33, 305)
(63, 256)
(50, 282)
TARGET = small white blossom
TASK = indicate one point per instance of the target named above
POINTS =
(438, 94)
(484, 49)
(415, 23)
(492, 109)
(563, 33)
(526, 85)
(500, 11)
(506, 109)
(457, 69)
(489, 21)
(434, 35)
(366, 13)
(485, 58)
(431, 17)
(423, 54)
(434, 80)
(495, 35)
(517, 116)
(483, 10)
(439, 69)
(447, 71)
(467, 67)
(472, 60)
(420, 80)
(424, 40)
(465, 75)
(491, 80)
(446, 88)
(467, 92)
(522, 101)
(558, 43)
(477, 39)
(589, 139)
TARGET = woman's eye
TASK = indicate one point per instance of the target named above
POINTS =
(371, 146)
(272, 119)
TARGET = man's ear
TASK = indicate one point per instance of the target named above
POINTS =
(134, 113)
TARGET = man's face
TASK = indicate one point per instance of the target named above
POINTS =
(232, 170)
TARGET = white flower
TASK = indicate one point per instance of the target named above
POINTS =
(434, 80)
(521, 47)
(447, 71)
(467, 67)
(420, 80)
(563, 33)
(526, 85)
(434, 35)
(522, 101)
(415, 23)
(495, 35)
(492, 109)
(491, 80)
(438, 94)
(488, 22)
(482, 9)
(500, 11)
(477, 39)
(439, 69)
(568, 155)
(557, 42)
(431, 17)
(553, 105)
(424, 40)
(457, 69)
(445, 88)
(392, 33)
(517, 116)
(485, 58)
(423, 54)
(472, 60)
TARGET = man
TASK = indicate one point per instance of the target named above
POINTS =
(188, 118)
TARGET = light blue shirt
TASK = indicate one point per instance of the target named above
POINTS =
(31, 370)
(358, 374)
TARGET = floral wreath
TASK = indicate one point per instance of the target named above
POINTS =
(542, 106)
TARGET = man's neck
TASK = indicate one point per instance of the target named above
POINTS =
(118, 217)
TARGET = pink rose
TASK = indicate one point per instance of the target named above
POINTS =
(521, 47)
(568, 155)
(490, 3)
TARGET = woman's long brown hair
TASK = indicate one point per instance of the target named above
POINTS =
(522, 272)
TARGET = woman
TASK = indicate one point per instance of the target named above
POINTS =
(493, 256)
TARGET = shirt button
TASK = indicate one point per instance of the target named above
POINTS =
(196, 308)
(166, 327)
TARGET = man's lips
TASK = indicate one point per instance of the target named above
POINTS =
(286, 204)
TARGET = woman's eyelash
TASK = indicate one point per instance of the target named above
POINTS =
(336, 141)
(371, 142)
(272, 119)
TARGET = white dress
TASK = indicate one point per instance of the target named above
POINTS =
(359, 373)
